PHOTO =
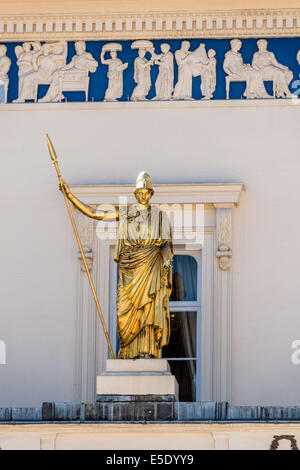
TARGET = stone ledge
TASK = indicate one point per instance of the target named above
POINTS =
(146, 408)
(134, 398)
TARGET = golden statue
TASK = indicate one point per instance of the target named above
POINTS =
(144, 252)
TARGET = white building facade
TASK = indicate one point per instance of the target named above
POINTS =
(219, 136)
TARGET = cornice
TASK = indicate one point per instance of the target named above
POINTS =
(212, 193)
(218, 24)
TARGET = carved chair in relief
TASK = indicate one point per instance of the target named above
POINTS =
(74, 80)
(242, 78)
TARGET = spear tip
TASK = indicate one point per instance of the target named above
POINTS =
(51, 148)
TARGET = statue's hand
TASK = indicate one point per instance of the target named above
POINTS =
(64, 187)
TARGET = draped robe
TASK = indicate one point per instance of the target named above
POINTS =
(144, 284)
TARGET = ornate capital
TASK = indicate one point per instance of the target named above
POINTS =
(85, 229)
(224, 235)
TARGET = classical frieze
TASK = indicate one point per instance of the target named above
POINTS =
(144, 70)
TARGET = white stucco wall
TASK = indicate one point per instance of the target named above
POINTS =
(100, 144)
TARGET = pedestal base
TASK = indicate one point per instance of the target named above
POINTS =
(137, 377)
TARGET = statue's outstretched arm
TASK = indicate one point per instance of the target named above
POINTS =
(88, 210)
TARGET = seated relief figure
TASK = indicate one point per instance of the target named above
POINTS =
(144, 253)
(235, 68)
(265, 62)
(45, 62)
(5, 64)
(81, 62)
(115, 71)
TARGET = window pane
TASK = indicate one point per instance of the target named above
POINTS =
(183, 335)
(184, 278)
(185, 373)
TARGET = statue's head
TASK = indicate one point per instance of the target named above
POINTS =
(185, 45)
(165, 48)
(262, 44)
(142, 52)
(143, 189)
(236, 44)
(80, 47)
(26, 46)
(113, 54)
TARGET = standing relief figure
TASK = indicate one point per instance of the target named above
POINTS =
(192, 64)
(281, 76)
(142, 67)
(115, 71)
(82, 61)
(45, 61)
(236, 70)
(208, 76)
(25, 59)
(165, 80)
(5, 64)
(183, 87)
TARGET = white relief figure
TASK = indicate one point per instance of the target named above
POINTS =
(265, 62)
(25, 59)
(165, 80)
(237, 71)
(142, 67)
(190, 64)
(183, 87)
(298, 57)
(76, 72)
(115, 71)
(5, 64)
(208, 76)
(45, 62)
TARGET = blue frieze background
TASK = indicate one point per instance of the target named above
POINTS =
(285, 50)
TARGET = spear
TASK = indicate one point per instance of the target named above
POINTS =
(54, 158)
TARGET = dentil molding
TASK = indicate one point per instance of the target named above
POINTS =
(133, 25)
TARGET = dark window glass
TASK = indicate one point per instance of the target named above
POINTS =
(184, 279)
(183, 335)
(185, 373)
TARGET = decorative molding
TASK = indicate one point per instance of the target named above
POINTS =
(86, 323)
(223, 299)
(224, 235)
(86, 232)
(149, 105)
(288, 437)
(164, 193)
(222, 24)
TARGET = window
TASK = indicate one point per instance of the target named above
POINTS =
(184, 350)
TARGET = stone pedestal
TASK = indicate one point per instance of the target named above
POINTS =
(137, 377)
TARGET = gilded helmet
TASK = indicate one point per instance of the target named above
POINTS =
(143, 181)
